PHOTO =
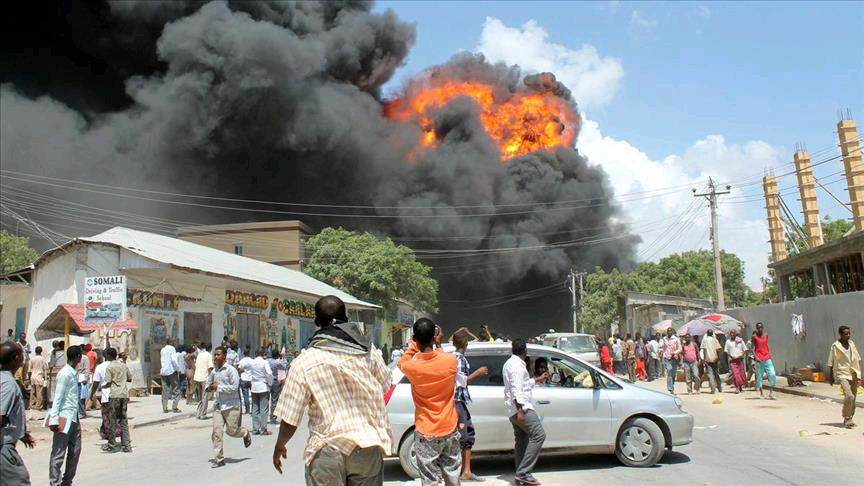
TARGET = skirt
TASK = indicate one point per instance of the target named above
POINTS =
(739, 372)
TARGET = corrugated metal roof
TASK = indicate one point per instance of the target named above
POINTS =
(190, 256)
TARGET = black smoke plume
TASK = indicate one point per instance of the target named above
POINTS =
(281, 101)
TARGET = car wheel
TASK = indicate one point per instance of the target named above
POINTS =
(640, 443)
(407, 458)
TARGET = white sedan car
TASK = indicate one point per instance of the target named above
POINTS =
(583, 409)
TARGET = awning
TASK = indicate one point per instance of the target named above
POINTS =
(54, 326)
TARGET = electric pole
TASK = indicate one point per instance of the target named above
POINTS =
(576, 296)
(711, 196)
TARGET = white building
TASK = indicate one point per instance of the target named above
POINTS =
(185, 290)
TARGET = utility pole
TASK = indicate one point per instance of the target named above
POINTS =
(711, 196)
(576, 296)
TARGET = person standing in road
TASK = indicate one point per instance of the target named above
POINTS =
(527, 428)
(13, 418)
(630, 357)
(606, 358)
(203, 367)
(243, 366)
(432, 374)
(710, 349)
(735, 350)
(617, 355)
(641, 353)
(232, 356)
(280, 371)
(261, 378)
(671, 349)
(844, 366)
(341, 378)
(652, 349)
(83, 382)
(462, 398)
(38, 373)
(117, 376)
(63, 421)
(224, 382)
(691, 365)
(396, 354)
(762, 352)
(103, 391)
(191, 388)
(170, 390)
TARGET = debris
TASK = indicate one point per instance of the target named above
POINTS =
(716, 401)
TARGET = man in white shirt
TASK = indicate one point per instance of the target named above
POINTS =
(104, 394)
(527, 428)
(653, 348)
(710, 349)
(180, 366)
(245, 383)
(168, 358)
(203, 367)
(261, 377)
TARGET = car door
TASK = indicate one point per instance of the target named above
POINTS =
(574, 413)
(488, 413)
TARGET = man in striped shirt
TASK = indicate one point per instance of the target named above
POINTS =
(462, 398)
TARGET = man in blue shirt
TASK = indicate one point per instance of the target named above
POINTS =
(63, 421)
(13, 422)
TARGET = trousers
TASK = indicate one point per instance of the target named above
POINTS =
(191, 387)
(229, 420)
(170, 390)
(203, 399)
(671, 366)
(438, 457)
(14, 472)
(765, 366)
(850, 389)
(37, 398)
(119, 420)
(363, 467)
(260, 411)
(65, 447)
(711, 369)
(245, 389)
(691, 376)
(530, 437)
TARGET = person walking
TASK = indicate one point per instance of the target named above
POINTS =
(762, 353)
(117, 376)
(640, 358)
(671, 349)
(191, 388)
(38, 383)
(63, 421)
(618, 355)
(243, 366)
(527, 428)
(203, 367)
(180, 365)
(652, 349)
(630, 357)
(606, 358)
(844, 366)
(396, 354)
(280, 371)
(710, 349)
(735, 350)
(462, 398)
(170, 389)
(261, 378)
(13, 418)
(232, 357)
(224, 382)
(691, 365)
(432, 374)
(341, 378)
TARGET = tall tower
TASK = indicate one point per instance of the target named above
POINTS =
(775, 226)
(809, 201)
(850, 148)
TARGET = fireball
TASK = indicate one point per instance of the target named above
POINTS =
(523, 122)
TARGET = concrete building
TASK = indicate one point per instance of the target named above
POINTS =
(15, 296)
(281, 243)
(831, 268)
(639, 310)
(184, 290)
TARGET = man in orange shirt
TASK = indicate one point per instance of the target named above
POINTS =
(432, 374)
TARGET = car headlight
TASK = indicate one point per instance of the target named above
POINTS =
(679, 404)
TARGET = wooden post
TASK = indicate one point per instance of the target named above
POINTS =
(66, 331)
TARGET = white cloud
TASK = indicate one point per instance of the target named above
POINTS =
(593, 79)
(703, 11)
(639, 19)
(632, 171)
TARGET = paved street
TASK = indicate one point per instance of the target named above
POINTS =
(743, 440)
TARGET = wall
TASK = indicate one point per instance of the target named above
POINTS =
(277, 247)
(53, 284)
(822, 316)
(13, 297)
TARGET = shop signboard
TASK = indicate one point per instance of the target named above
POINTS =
(105, 298)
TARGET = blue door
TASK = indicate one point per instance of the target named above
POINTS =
(20, 321)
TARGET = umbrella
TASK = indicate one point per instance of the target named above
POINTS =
(719, 318)
(697, 327)
(662, 325)
(725, 327)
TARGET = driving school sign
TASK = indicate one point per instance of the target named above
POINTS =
(105, 298)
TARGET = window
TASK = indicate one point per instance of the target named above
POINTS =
(563, 372)
(495, 365)
(238, 248)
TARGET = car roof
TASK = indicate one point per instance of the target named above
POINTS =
(566, 334)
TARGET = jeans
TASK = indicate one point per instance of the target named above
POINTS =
(671, 366)
(691, 376)
(275, 390)
(170, 390)
(711, 369)
(245, 388)
(119, 420)
(530, 437)
(762, 366)
(68, 447)
(438, 457)
(260, 411)
(363, 467)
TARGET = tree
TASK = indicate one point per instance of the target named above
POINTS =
(832, 229)
(378, 271)
(15, 252)
(599, 303)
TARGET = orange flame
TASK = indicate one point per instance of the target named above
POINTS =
(523, 123)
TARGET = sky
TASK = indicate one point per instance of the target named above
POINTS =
(674, 93)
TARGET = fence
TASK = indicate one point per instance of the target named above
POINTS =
(822, 316)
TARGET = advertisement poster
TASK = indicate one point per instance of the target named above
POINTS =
(105, 298)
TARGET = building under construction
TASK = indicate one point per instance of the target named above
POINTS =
(816, 267)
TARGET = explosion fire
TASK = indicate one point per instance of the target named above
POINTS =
(522, 123)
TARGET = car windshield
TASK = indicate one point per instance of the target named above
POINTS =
(577, 344)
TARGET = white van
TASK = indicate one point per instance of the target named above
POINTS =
(581, 346)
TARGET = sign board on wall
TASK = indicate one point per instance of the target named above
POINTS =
(293, 308)
(248, 299)
(105, 298)
(158, 300)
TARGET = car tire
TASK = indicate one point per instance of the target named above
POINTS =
(640, 443)
(406, 456)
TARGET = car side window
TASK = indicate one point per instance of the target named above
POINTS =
(495, 365)
(567, 373)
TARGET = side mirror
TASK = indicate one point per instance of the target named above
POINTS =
(595, 378)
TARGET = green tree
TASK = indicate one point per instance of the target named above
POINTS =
(15, 252)
(375, 270)
(832, 229)
(599, 304)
